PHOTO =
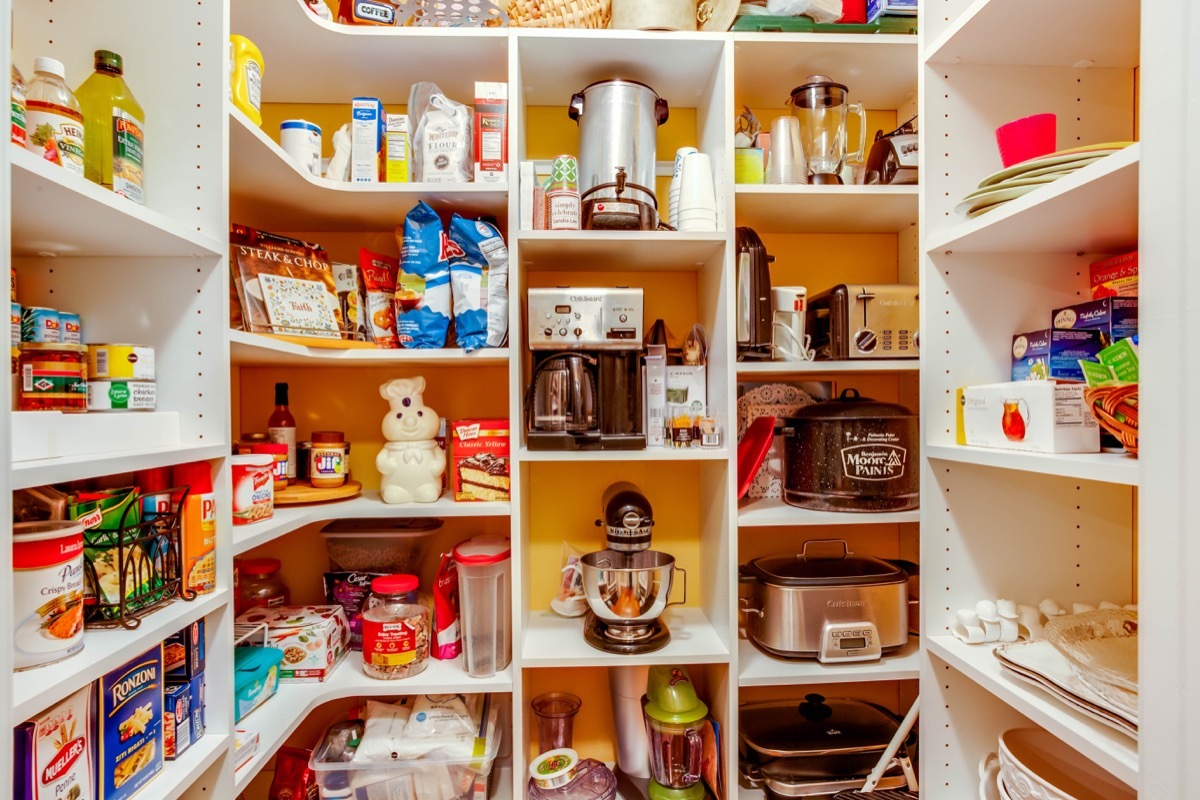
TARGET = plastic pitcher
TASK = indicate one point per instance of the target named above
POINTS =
(485, 594)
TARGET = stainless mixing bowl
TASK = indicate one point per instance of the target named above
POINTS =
(629, 587)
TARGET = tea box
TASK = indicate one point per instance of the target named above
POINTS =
(1031, 356)
(1034, 416)
(131, 725)
(1081, 331)
(314, 639)
(1115, 277)
(55, 753)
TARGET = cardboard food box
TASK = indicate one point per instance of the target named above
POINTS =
(183, 652)
(687, 389)
(199, 543)
(245, 746)
(313, 639)
(366, 130)
(195, 691)
(1081, 331)
(1031, 356)
(177, 720)
(131, 725)
(54, 754)
(1034, 416)
(480, 451)
(491, 131)
(396, 150)
(1115, 277)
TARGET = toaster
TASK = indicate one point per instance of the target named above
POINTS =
(865, 321)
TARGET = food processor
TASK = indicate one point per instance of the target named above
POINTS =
(628, 585)
(675, 717)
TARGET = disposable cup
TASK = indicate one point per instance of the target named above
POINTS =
(696, 192)
(785, 163)
(1026, 138)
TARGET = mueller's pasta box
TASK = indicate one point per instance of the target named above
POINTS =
(131, 718)
(480, 459)
(55, 753)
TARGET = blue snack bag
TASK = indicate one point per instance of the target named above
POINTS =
(479, 280)
(423, 294)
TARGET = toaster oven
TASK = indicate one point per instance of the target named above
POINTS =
(852, 321)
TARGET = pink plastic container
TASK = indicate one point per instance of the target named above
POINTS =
(1026, 138)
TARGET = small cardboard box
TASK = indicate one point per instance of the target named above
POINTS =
(54, 754)
(1081, 331)
(195, 690)
(1115, 277)
(245, 747)
(177, 720)
(687, 389)
(1034, 416)
(131, 725)
(183, 652)
(1031, 356)
(314, 639)
(480, 451)
(199, 543)
(366, 129)
(654, 389)
(396, 151)
(491, 131)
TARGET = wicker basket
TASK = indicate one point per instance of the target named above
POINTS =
(1116, 409)
(559, 13)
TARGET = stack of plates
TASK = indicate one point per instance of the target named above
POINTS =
(1020, 179)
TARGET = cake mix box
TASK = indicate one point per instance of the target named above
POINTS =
(55, 753)
(131, 725)
(480, 465)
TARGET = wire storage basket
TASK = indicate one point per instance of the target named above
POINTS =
(1116, 409)
(136, 568)
(559, 13)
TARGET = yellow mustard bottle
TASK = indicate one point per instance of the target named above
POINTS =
(114, 138)
(245, 76)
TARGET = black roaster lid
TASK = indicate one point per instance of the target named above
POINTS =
(816, 726)
(850, 405)
(796, 570)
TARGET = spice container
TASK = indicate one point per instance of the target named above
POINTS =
(327, 462)
(53, 377)
(253, 488)
(279, 453)
(259, 584)
(53, 118)
(395, 630)
(246, 71)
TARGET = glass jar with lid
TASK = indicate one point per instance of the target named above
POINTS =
(259, 584)
(395, 629)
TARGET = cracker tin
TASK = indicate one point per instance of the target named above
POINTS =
(121, 395)
(128, 361)
(313, 639)
(70, 328)
(131, 720)
(55, 753)
(177, 720)
(39, 324)
(47, 563)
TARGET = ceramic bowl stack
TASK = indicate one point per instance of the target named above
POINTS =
(1034, 765)
(1021, 179)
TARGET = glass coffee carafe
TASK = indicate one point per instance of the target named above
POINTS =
(564, 396)
(820, 105)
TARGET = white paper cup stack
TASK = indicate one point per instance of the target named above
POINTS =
(785, 162)
(697, 197)
(673, 195)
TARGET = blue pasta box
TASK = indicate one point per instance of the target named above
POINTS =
(1081, 331)
(196, 690)
(177, 719)
(1031, 356)
(183, 653)
(131, 725)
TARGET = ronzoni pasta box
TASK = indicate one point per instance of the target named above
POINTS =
(131, 717)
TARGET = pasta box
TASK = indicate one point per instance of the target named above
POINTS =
(131, 725)
(480, 466)
(194, 690)
(313, 639)
(55, 753)
(183, 653)
(177, 720)
(1034, 416)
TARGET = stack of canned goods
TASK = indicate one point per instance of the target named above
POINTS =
(120, 378)
(49, 359)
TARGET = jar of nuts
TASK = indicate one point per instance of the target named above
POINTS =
(395, 629)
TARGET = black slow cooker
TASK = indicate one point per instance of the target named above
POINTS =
(852, 454)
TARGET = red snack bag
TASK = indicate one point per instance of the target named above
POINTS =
(293, 778)
(378, 274)
(447, 643)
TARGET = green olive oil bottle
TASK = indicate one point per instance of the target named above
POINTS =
(113, 127)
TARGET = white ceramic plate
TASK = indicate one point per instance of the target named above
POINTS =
(1055, 159)
(1038, 661)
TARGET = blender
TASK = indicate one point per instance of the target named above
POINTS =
(675, 717)
(627, 585)
(820, 105)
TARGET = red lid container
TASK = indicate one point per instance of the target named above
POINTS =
(395, 584)
(258, 566)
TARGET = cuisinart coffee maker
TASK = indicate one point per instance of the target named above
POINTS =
(585, 386)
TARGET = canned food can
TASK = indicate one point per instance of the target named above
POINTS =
(47, 592)
(40, 324)
(121, 395)
(70, 330)
(128, 361)
(15, 320)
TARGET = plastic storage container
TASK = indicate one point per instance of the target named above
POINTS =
(485, 592)
(395, 629)
(377, 545)
(259, 584)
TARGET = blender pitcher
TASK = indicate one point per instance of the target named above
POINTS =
(820, 105)
(674, 717)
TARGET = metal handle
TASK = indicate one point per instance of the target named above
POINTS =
(684, 600)
(745, 607)
(661, 110)
(824, 549)
(575, 109)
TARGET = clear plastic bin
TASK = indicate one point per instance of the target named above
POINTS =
(436, 776)
(485, 595)
(378, 545)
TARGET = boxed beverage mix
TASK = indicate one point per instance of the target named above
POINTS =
(1031, 356)
(491, 131)
(313, 639)
(366, 130)
(480, 452)
(1081, 331)
(131, 725)
(54, 754)
(1115, 277)
(1034, 416)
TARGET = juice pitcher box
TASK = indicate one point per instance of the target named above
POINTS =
(1115, 277)
(131, 725)
(1034, 416)
(366, 131)
(1081, 331)
(491, 131)
(480, 459)
(1031, 356)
